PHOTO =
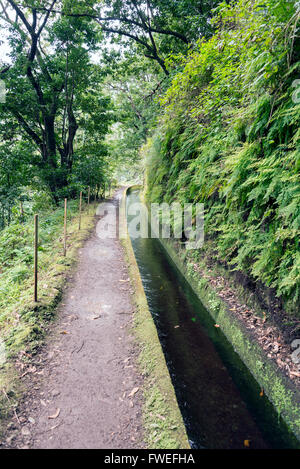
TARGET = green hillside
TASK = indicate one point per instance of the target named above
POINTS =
(229, 137)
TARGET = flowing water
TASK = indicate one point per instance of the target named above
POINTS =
(219, 399)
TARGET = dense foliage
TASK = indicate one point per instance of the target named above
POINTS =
(215, 85)
(58, 112)
(229, 137)
(55, 116)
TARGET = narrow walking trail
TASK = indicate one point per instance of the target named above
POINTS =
(84, 392)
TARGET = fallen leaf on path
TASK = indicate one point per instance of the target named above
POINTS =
(53, 417)
(31, 369)
(295, 373)
(276, 348)
(133, 392)
(64, 333)
(280, 362)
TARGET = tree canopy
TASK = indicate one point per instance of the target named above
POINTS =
(209, 91)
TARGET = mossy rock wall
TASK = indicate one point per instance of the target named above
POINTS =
(279, 389)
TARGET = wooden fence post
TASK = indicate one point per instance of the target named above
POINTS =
(80, 208)
(65, 228)
(36, 242)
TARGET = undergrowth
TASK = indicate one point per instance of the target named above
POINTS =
(229, 137)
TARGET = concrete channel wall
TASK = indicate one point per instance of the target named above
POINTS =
(280, 390)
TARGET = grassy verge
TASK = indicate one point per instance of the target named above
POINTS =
(163, 423)
(23, 324)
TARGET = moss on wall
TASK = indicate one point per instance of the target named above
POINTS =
(282, 393)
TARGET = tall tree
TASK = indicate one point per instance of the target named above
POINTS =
(47, 86)
(159, 27)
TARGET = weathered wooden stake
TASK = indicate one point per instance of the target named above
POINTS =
(22, 209)
(22, 212)
(65, 228)
(36, 242)
(89, 197)
(80, 208)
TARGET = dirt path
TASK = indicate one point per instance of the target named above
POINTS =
(86, 374)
